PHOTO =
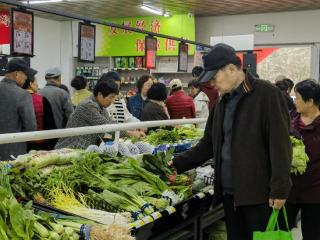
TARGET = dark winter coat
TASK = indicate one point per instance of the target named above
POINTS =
(306, 187)
(261, 150)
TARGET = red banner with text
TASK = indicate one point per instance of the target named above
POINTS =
(4, 27)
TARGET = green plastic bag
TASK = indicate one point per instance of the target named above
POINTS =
(272, 231)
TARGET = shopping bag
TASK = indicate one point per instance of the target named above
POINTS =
(273, 231)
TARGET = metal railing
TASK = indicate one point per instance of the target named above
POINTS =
(69, 132)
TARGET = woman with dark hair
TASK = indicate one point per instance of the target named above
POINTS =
(79, 83)
(305, 192)
(201, 101)
(155, 108)
(136, 103)
(91, 112)
(285, 87)
(44, 115)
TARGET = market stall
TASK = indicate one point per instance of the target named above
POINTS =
(131, 189)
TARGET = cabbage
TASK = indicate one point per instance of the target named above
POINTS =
(300, 158)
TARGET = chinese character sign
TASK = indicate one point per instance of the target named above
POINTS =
(119, 42)
(4, 27)
(22, 33)
(87, 35)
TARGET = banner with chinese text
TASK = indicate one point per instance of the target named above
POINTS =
(117, 42)
(4, 27)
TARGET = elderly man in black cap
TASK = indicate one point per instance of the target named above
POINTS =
(248, 136)
(58, 98)
(16, 107)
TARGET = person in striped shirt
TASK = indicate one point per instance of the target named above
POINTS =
(118, 110)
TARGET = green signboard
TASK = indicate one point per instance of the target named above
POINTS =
(264, 28)
(118, 42)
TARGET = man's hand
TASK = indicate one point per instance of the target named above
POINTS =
(143, 129)
(136, 134)
(276, 203)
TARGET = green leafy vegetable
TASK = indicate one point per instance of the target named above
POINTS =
(300, 158)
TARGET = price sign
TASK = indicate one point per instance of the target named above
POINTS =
(86, 43)
(183, 57)
(151, 52)
(22, 33)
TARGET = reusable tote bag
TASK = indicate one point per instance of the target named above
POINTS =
(272, 231)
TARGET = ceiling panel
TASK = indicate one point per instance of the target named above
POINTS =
(102, 9)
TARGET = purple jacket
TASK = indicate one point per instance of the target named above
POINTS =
(306, 187)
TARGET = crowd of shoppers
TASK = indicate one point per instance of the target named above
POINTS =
(247, 131)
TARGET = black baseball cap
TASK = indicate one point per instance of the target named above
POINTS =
(18, 64)
(219, 56)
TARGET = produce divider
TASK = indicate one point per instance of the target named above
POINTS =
(137, 194)
(60, 133)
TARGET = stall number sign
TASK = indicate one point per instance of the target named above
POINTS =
(264, 28)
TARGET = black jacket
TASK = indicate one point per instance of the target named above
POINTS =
(153, 112)
(261, 148)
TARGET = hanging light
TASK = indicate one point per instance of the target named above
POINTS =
(42, 1)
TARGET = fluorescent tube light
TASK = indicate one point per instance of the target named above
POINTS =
(40, 2)
(152, 10)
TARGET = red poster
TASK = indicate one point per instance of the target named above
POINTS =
(4, 27)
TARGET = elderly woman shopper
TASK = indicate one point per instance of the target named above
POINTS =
(91, 112)
(305, 192)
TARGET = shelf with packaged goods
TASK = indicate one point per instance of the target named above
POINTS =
(171, 72)
(130, 69)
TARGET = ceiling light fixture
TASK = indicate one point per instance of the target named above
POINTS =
(155, 10)
(152, 9)
(40, 2)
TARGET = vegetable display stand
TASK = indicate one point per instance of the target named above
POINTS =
(172, 227)
(184, 223)
(208, 218)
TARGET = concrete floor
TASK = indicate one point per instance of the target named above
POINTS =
(297, 232)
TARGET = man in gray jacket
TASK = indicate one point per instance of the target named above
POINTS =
(59, 99)
(16, 107)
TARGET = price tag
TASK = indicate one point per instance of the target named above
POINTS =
(156, 215)
(138, 224)
(170, 210)
(147, 219)
(201, 195)
(132, 225)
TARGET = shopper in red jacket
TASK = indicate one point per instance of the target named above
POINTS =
(179, 104)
